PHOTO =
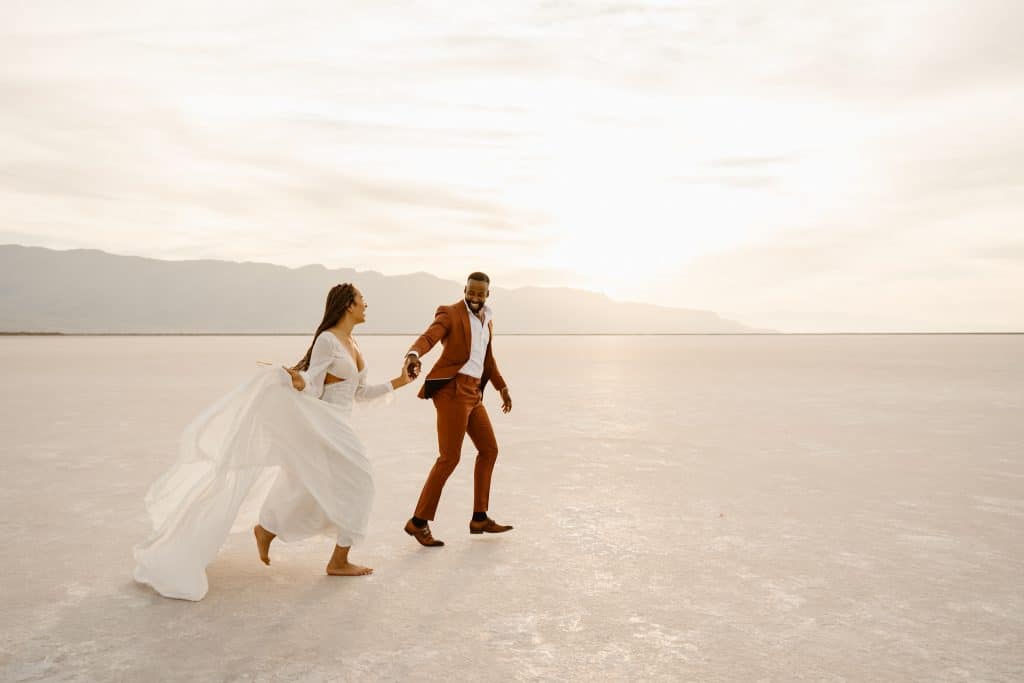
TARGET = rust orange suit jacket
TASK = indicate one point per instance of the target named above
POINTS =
(451, 328)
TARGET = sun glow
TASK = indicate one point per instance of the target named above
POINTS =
(632, 206)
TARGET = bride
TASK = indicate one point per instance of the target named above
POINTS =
(283, 439)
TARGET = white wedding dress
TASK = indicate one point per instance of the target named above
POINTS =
(265, 452)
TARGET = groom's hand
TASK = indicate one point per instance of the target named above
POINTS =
(506, 400)
(412, 366)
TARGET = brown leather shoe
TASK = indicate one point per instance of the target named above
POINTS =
(488, 526)
(422, 535)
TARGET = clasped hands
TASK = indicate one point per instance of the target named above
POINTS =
(412, 366)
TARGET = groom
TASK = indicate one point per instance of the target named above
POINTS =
(456, 384)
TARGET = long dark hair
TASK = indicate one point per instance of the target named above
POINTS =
(338, 301)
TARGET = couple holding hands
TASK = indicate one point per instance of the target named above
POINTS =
(281, 447)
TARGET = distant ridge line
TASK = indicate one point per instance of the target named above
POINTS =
(95, 292)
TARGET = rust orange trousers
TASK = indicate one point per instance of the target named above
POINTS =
(460, 411)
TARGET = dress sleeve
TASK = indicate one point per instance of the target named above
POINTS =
(319, 361)
(374, 394)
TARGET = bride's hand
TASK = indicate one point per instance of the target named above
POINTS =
(411, 366)
(297, 381)
(402, 379)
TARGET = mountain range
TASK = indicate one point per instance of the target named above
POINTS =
(90, 291)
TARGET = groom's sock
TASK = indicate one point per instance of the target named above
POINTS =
(418, 523)
(479, 516)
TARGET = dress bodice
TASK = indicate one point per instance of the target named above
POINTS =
(343, 365)
(329, 355)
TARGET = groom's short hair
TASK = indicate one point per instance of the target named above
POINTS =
(479, 277)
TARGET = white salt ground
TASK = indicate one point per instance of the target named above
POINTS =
(686, 508)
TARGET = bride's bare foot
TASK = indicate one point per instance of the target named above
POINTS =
(340, 566)
(263, 539)
(348, 569)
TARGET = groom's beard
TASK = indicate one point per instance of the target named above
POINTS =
(476, 308)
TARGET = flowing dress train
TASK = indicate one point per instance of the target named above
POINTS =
(265, 452)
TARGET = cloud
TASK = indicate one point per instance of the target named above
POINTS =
(792, 157)
(1012, 252)
(867, 279)
(754, 162)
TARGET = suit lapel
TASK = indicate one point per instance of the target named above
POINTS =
(467, 331)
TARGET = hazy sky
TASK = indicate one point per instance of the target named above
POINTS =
(798, 165)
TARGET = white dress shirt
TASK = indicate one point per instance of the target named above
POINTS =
(481, 335)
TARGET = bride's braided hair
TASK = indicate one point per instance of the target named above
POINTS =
(338, 301)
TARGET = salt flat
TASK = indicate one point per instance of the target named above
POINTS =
(686, 508)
